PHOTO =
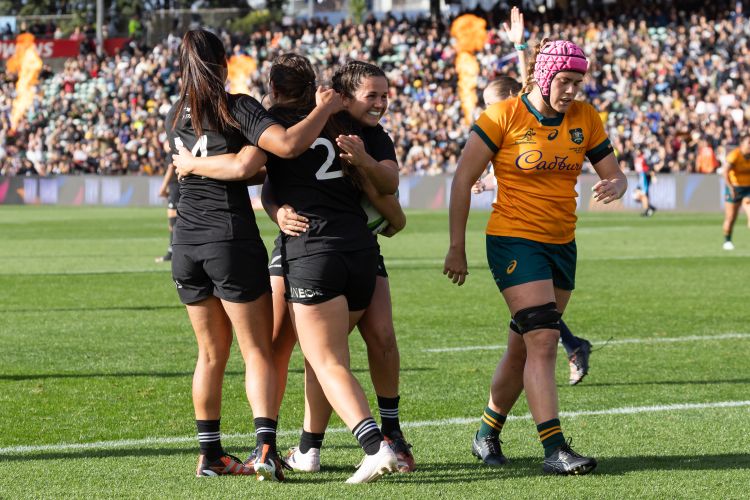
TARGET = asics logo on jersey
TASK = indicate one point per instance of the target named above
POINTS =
(552, 135)
(534, 160)
(304, 293)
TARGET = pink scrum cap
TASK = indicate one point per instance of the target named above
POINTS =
(556, 56)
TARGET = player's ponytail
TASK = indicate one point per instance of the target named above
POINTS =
(203, 66)
(529, 84)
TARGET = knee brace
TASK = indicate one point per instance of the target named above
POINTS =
(536, 318)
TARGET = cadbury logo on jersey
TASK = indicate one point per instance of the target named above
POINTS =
(576, 135)
(533, 160)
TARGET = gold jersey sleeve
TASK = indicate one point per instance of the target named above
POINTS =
(537, 161)
(739, 175)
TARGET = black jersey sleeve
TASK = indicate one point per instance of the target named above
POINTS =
(379, 144)
(253, 118)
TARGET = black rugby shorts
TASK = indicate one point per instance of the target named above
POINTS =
(318, 278)
(235, 270)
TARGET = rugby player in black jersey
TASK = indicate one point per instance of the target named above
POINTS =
(330, 269)
(219, 263)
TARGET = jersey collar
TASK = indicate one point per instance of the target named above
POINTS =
(553, 122)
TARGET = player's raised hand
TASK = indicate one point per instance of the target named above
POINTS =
(290, 222)
(515, 31)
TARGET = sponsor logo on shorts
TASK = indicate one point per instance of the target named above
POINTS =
(304, 293)
(177, 284)
(511, 267)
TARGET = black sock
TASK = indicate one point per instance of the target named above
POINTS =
(209, 439)
(569, 341)
(728, 237)
(368, 435)
(388, 408)
(310, 440)
(265, 432)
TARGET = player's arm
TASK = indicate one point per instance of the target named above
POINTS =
(382, 174)
(471, 164)
(293, 141)
(226, 167)
(388, 206)
(613, 182)
(516, 34)
(168, 175)
(288, 220)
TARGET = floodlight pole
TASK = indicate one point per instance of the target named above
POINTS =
(99, 23)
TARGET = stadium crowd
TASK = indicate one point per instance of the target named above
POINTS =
(671, 85)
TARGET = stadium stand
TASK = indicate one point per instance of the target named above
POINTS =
(668, 82)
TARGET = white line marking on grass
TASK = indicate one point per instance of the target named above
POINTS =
(656, 340)
(128, 443)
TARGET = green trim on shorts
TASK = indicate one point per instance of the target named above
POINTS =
(740, 192)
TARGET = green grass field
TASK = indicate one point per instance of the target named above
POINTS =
(96, 359)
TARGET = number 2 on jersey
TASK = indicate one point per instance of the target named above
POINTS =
(323, 173)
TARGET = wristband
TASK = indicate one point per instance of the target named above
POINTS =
(521, 46)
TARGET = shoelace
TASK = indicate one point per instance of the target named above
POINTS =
(492, 445)
(567, 449)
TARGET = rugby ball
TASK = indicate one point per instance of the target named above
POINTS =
(375, 221)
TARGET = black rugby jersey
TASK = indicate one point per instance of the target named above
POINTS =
(212, 210)
(314, 185)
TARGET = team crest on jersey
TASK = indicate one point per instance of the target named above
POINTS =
(527, 138)
(576, 135)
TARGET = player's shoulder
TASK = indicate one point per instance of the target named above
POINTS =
(242, 102)
(734, 155)
(505, 106)
(582, 108)
(376, 132)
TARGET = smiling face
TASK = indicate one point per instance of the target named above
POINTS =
(564, 88)
(369, 102)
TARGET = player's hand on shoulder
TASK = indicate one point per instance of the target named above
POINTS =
(455, 266)
(290, 222)
(478, 187)
(330, 99)
(182, 162)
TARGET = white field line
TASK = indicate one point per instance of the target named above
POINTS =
(657, 340)
(128, 443)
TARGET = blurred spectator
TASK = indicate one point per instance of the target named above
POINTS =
(705, 161)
